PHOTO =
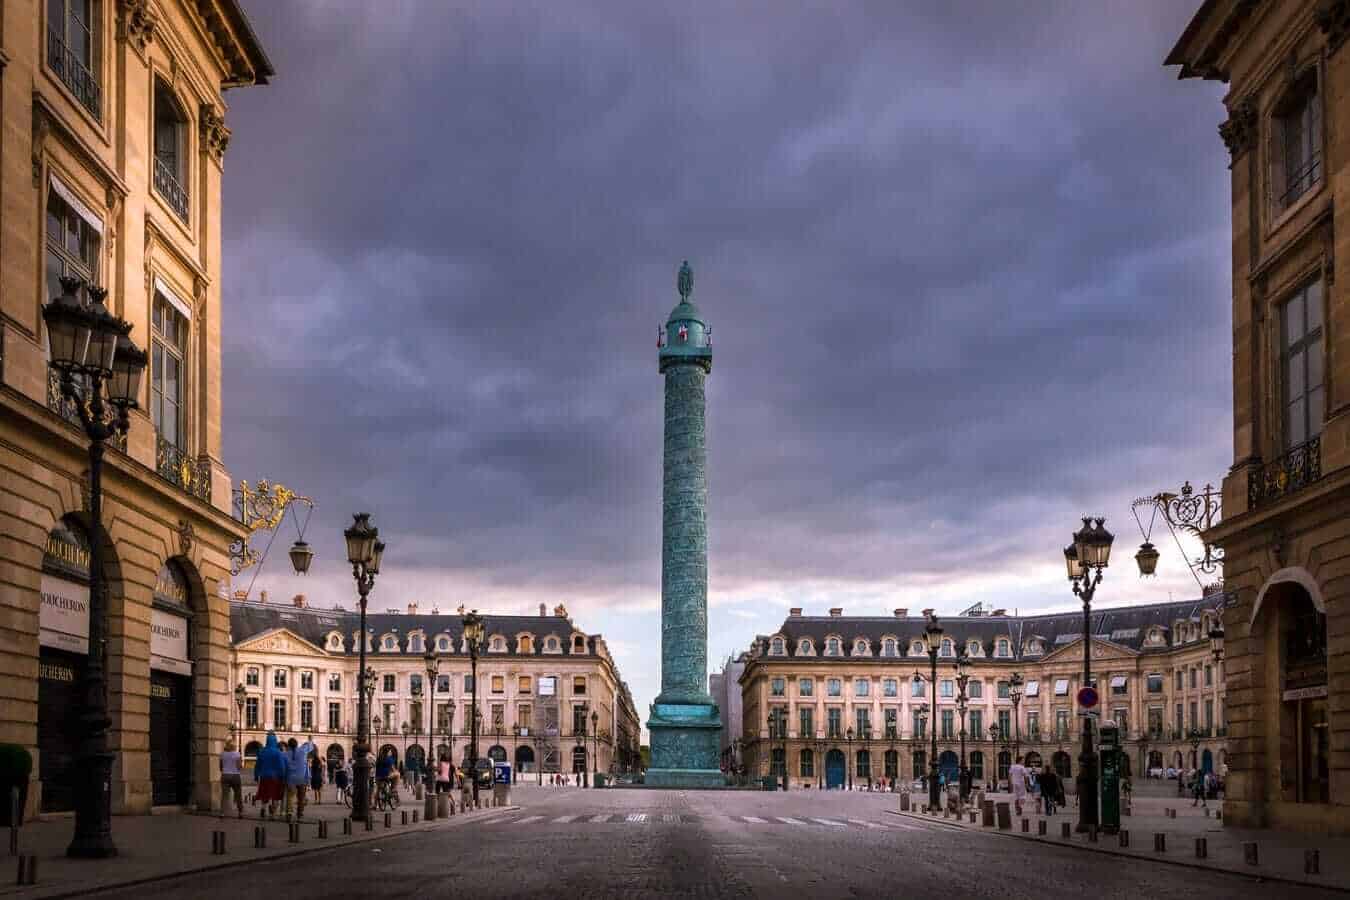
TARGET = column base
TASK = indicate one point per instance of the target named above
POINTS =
(686, 746)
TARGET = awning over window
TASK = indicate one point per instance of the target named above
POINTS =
(1061, 687)
(1033, 689)
(1117, 681)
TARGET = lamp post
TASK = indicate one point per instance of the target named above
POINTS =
(239, 694)
(1015, 694)
(364, 552)
(538, 761)
(473, 636)
(848, 763)
(921, 713)
(595, 745)
(933, 640)
(432, 666)
(405, 729)
(820, 764)
(962, 679)
(1085, 559)
(91, 352)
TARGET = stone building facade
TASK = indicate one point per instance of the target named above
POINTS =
(725, 688)
(110, 170)
(1286, 500)
(540, 680)
(846, 689)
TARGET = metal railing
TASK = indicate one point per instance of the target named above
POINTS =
(167, 186)
(1292, 472)
(1301, 180)
(175, 465)
(73, 72)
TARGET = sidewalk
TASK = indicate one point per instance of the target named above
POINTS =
(1281, 854)
(162, 846)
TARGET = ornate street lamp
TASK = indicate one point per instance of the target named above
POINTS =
(848, 742)
(1085, 559)
(962, 667)
(239, 694)
(1216, 642)
(921, 713)
(473, 636)
(932, 635)
(100, 371)
(364, 552)
(1015, 695)
(595, 745)
(432, 666)
(819, 764)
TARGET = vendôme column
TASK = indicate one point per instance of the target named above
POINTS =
(684, 724)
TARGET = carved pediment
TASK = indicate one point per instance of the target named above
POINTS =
(279, 640)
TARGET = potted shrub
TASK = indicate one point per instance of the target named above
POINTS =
(16, 764)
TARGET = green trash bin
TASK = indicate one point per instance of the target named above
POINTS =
(598, 780)
(768, 783)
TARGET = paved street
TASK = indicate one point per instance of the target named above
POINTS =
(567, 842)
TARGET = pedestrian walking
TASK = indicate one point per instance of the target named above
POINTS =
(315, 776)
(269, 772)
(231, 779)
(1017, 778)
(297, 777)
(443, 775)
(1198, 789)
(1049, 790)
(342, 778)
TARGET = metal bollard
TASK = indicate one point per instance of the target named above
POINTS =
(414, 817)
(15, 820)
(1312, 862)
(1092, 834)
(388, 820)
(1026, 826)
(973, 816)
(323, 828)
(293, 834)
(1206, 812)
(259, 837)
(370, 824)
(1042, 827)
(1124, 837)
(27, 870)
(1249, 854)
(904, 802)
(217, 843)
(987, 814)
(404, 814)
(1201, 848)
(347, 825)
(1159, 843)
(1064, 831)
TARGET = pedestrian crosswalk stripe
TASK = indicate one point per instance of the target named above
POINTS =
(563, 820)
(604, 818)
(637, 817)
(787, 821)
(866, 824)
(671, 820)
(753, 820)
(528, 819)
(828, 822)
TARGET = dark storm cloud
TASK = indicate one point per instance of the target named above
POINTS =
(966, 266)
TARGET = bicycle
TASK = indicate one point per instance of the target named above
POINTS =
(386, 795)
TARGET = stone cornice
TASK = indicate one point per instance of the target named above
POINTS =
(1333, 17)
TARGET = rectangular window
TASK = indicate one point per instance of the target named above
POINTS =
(807, 763)
(1004, 690)
(1155, 722)
(1209, 715)
(334, 681)
(415, 684)
(523, 684)
(806, 726)
(498, 684)
(948, 724)
(72, 49)
(279, 678)
(279, 714)
(863, 722)
(833, 717)
(834, 687)
(578, 720)
(1119, 685)
(1034, 725)
(1181, 720)
(390, 683)
(777, 687)
(947, 688)
(890, 688)
(1061, 724)
(1181, 684)
(975, 689)
(306, 681)
(444, 712)
(861, 687)
(72, 243)
(523, 712)
(1195, 677)
(415, 716)
(1155, 683)
(251, 678)
(498, 718)
(1061, 687)
(468, 684)
(306, 715)
(976, 723)
(388, 719)
(1209, 676)
(168, 371)
(920, 726)
(251, 713)
(442, 684)
(579, 685)
(1195, 714)
(1005, 728)
(892, 722)
(1033, 689)
(1298, 151)
(916, 688)
(1122, 717)
(335, 717)
(806, 687)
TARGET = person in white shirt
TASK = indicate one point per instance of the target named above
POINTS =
(1017, 778)
(231, 779)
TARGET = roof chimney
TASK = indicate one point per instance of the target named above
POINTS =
(298, 601)
(262, 596)
(836, 612)
(927, 612)
(412, 609)
(542, 610)
(560, 611)
(435, 610)
(241, 596)
(901, 612)
(795, 611)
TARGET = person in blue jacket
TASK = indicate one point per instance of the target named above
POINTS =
(269, 771)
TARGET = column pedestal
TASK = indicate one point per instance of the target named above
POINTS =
(686, 750)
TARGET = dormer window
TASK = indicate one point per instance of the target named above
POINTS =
(415, 644)
(389, 644)
(805, 648)
(578, 644)
(948, 647)
(1035, 647)
(498, 644)
(335, 642)
(443, 644)
(888, 647)
(860, 648)
(777, 647)
(1296, 143)
(551, 645)
(974, 648)
(834, 647)
(1003, 648)
(525, 644)
(916, 648)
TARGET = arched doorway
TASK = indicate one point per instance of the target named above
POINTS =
(444, 751)
(416, 759)
(1206, 762)
(1062, 764)
(497, 753)
(251, 754)
(335, 758)
(1155, 759)
(524, 759)
(578, 759)
(388, 750)
(1033, 762)
(949, 766)
(835, 766)
(1290, 616)
(977, 765)
(171, 711)
(63, 641)
(892, 764)
(1178, 762)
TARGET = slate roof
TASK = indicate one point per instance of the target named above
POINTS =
(250, 619)
(1126, 626)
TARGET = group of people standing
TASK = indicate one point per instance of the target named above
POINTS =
(284, 773)
(1024, 782)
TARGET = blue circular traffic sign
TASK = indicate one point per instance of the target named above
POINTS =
(1087, 697)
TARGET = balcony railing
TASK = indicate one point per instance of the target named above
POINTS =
(72, 70)
(1292, 472)
(1301, 180)
(167, 186)
(66, 408)
(175, 465)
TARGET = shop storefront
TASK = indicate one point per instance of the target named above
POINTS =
(170, 690)
(63, 637)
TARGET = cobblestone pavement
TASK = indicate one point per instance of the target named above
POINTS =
(694, 844)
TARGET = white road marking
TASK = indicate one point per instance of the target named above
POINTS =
(828, 822)
(563, 820)
(604, 818)
(754, 820)
(671, 820)
(786, 821)
(528, 819)
(637, 817)
(866, 824)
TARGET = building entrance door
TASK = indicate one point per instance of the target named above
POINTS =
(834, 769)
(170, 738)
(58, 726)
(949, 767)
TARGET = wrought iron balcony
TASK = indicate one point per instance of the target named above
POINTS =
(73, 72)
(1292, 472)
(167, 186)
(66, 409)
(175, 465)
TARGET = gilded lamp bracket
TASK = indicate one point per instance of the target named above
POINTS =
(1194, 513)
(262, 508)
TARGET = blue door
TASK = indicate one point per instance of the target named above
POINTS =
(834, 769)
(1206, 762)
(949, 767)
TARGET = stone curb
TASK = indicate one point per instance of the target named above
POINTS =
(1189, 864)
(87, 891)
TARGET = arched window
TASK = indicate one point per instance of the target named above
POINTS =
(498, 644)
(916, 649)
(948, 647)
(389, 644)
(335, 642)
(833, 647)
(443, 644)
(974, 648)
(888, 647)
(171, 151)
(860, 648)
(525, 644)
(777, 647)
(1004, 648)
(804, 647)
(977, 765)
(415, 644)
(551, 644)
(578, 644)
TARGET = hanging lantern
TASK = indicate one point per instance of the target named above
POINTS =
(1147, 558)
(301, 557)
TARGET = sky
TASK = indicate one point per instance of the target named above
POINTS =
(966, 263)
